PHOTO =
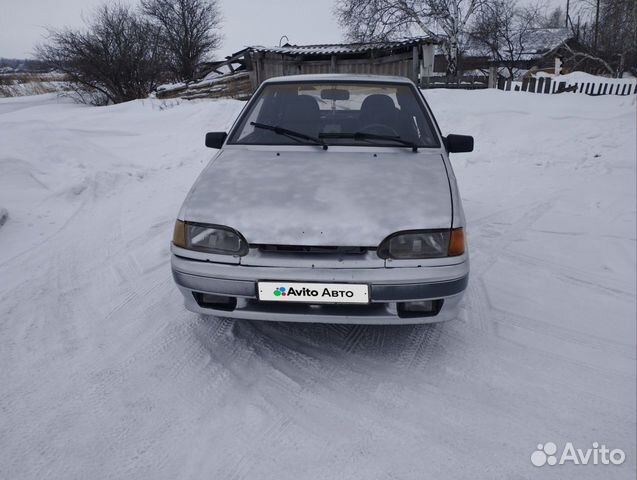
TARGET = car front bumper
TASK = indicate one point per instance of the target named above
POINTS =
(388, 287)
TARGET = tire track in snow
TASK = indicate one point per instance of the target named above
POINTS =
(573, 274)
(273, 351)
(487, 251)
(314, 382)
(353, 338)
(481, 304)
(241, 346)
(421, 344)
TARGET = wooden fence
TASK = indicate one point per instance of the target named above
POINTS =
(548, 85)
(233, 85)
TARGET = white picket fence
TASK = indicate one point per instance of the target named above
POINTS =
(591, 86)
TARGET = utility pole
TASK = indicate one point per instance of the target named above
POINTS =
(596, 27)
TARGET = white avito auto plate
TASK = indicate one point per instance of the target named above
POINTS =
(313, 292)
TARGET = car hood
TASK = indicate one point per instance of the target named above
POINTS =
(321, 198)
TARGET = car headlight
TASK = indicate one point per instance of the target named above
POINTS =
(209, 238)
(423, 244)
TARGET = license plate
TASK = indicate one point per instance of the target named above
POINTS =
(313, 292)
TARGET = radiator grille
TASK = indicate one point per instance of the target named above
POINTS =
(311, 249)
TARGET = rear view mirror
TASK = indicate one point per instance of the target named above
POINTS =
(335, 94)
(459, 143)
(215, 139)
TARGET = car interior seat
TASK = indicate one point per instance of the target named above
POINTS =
(301, 113)
(378, 109)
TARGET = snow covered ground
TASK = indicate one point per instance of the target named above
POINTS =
(105, 375)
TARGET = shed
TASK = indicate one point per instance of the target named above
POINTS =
(408, 58)
(241, 73)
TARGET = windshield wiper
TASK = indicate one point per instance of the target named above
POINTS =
(371, 136)
(290, 133)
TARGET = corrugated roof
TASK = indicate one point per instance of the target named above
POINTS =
(343, 48)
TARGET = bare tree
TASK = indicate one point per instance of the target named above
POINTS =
(504, 29)
(190, 30)
(117, 58)
(583, 57)
(448, 20)
(607, 32)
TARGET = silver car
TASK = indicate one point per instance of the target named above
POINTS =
(331, 199)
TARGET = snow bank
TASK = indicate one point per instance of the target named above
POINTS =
(106, 375)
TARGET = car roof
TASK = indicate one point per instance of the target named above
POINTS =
(339, 77)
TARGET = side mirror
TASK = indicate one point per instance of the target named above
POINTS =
(215, 139)
(459, 143)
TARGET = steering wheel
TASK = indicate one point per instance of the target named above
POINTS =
(379, 129)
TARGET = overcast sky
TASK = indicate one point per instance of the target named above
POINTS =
(247, 22)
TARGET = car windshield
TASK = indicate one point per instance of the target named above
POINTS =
(363, 114)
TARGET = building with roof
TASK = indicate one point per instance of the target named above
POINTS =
(419, 58)
(240, 74)
(402, 58)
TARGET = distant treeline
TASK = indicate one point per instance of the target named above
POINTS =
(24, 65)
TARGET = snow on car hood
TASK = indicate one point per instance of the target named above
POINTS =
(321, 197)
